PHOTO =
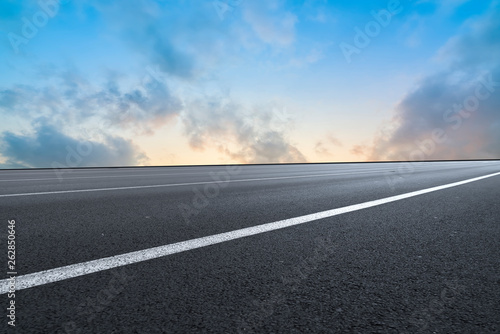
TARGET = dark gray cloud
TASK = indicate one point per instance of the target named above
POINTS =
(49, 147)
(257, 136)
(460, 103)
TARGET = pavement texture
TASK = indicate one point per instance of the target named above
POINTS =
(426, 264)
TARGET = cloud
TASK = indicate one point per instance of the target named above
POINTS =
(149, 31)
(312, 57)
(258, 136)
(360, 150)
(323, 147)
(184, 39)
(69, 96)
(460, 103)
(49, 147)
(272, 25)
(16, 97)
(146, 106)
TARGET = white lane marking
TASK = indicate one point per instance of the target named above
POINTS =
(3, 173)
(93, 170)
(85, 268)
(351, 172)
(177, 184)
(102, 176)
(162, 174)
(169, 174)
(381, 168)
(129, 169)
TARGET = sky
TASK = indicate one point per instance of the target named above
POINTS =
(187, 82)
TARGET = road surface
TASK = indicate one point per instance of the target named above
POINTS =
(325, 248)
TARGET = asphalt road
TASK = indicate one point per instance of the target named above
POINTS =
(424, 264)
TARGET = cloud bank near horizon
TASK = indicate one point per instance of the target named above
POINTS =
(122, 104)
(47, 147)
(453, 113)
(160, 82)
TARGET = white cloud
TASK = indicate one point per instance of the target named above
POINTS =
(461, 102)
(271, 24)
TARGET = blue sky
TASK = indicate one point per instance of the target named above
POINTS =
(157, 82)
